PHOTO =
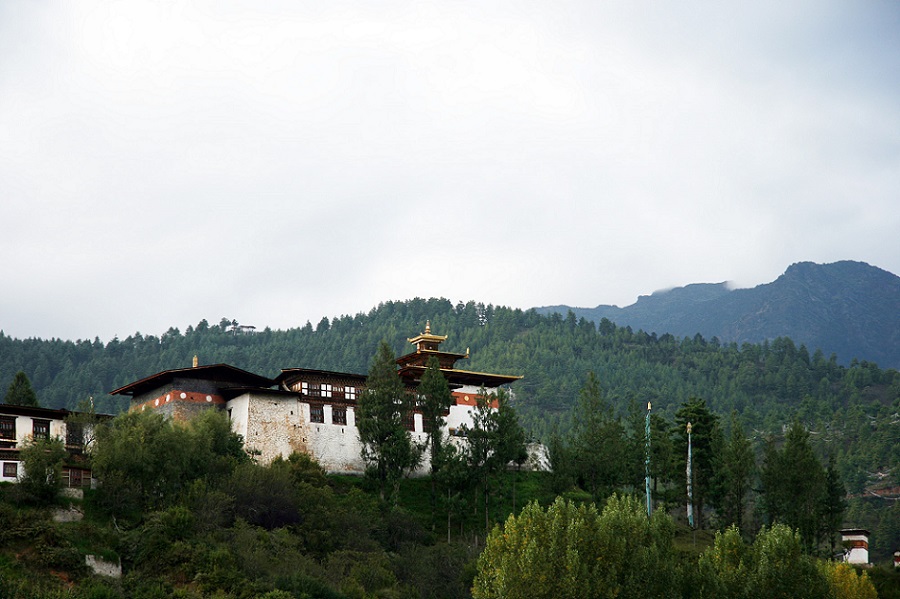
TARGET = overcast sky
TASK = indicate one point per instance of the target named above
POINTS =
(277, 162)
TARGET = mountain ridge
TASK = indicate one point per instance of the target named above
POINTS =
(848, 308)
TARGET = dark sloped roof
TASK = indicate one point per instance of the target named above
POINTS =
(50, 413)
(288, 373)
(229, 375)
(462, 377)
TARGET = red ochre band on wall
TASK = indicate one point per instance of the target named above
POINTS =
(471, 399)
(182, 397)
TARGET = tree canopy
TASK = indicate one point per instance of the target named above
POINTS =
(388, 449)
(20, 392)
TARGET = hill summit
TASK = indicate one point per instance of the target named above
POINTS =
(851, 309)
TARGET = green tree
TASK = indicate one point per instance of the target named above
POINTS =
(774, 566)
(494, 439)
(662, 454)
(388, 449)
(723, 568)
(705, 437)
(598, 442)
(145, 461)
(571, 551)
(845, 582)
(736, 465)
(435, 401)
(794, 488)
(20, 392)
(265, 496)
(138, 460)
(42, 461)
(81, 426)
(832, 505)
(780, 568)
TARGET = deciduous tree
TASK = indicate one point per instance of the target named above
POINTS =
(42, 460)
(571, 551)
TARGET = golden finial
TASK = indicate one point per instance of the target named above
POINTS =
(427, 327)
(196, 361)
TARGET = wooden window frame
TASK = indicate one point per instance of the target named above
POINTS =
(40, 423)
(8, 427)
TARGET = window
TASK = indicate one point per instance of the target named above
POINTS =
(409, 421)
(74, 433)
(350, 393)
(316, 389)
(8, 427)
(10, 469)
(317, 414)
(41, 429)
(339, 415)
(76, 478)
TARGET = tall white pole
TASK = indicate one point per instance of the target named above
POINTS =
(647, 461)
(690, 487)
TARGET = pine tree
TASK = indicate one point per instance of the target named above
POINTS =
(388, 449)
(735, 467)
(705, 437)
(793, 484)
(435, 401)
(20, 392)
(598, 442)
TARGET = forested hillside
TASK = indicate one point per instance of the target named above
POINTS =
(847, 308)
(853, 412)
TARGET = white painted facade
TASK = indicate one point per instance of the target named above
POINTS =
(856, 543)
(308, 410)
(277, 424)
(20, 424)
(274, 425)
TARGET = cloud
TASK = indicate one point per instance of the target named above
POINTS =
(166, 162)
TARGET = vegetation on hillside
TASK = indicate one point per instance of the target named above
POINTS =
(188, 515)
(851, 413)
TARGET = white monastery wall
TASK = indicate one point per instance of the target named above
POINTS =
(336, 447)
(272, 426)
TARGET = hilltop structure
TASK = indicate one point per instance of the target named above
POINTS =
(306, 410)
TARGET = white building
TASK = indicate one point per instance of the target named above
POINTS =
(18, 424)
(306, 410)
(856, 545)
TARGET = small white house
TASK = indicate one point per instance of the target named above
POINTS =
(18, 424)
(856, 545)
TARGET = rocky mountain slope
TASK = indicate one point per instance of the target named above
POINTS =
(848, 308)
